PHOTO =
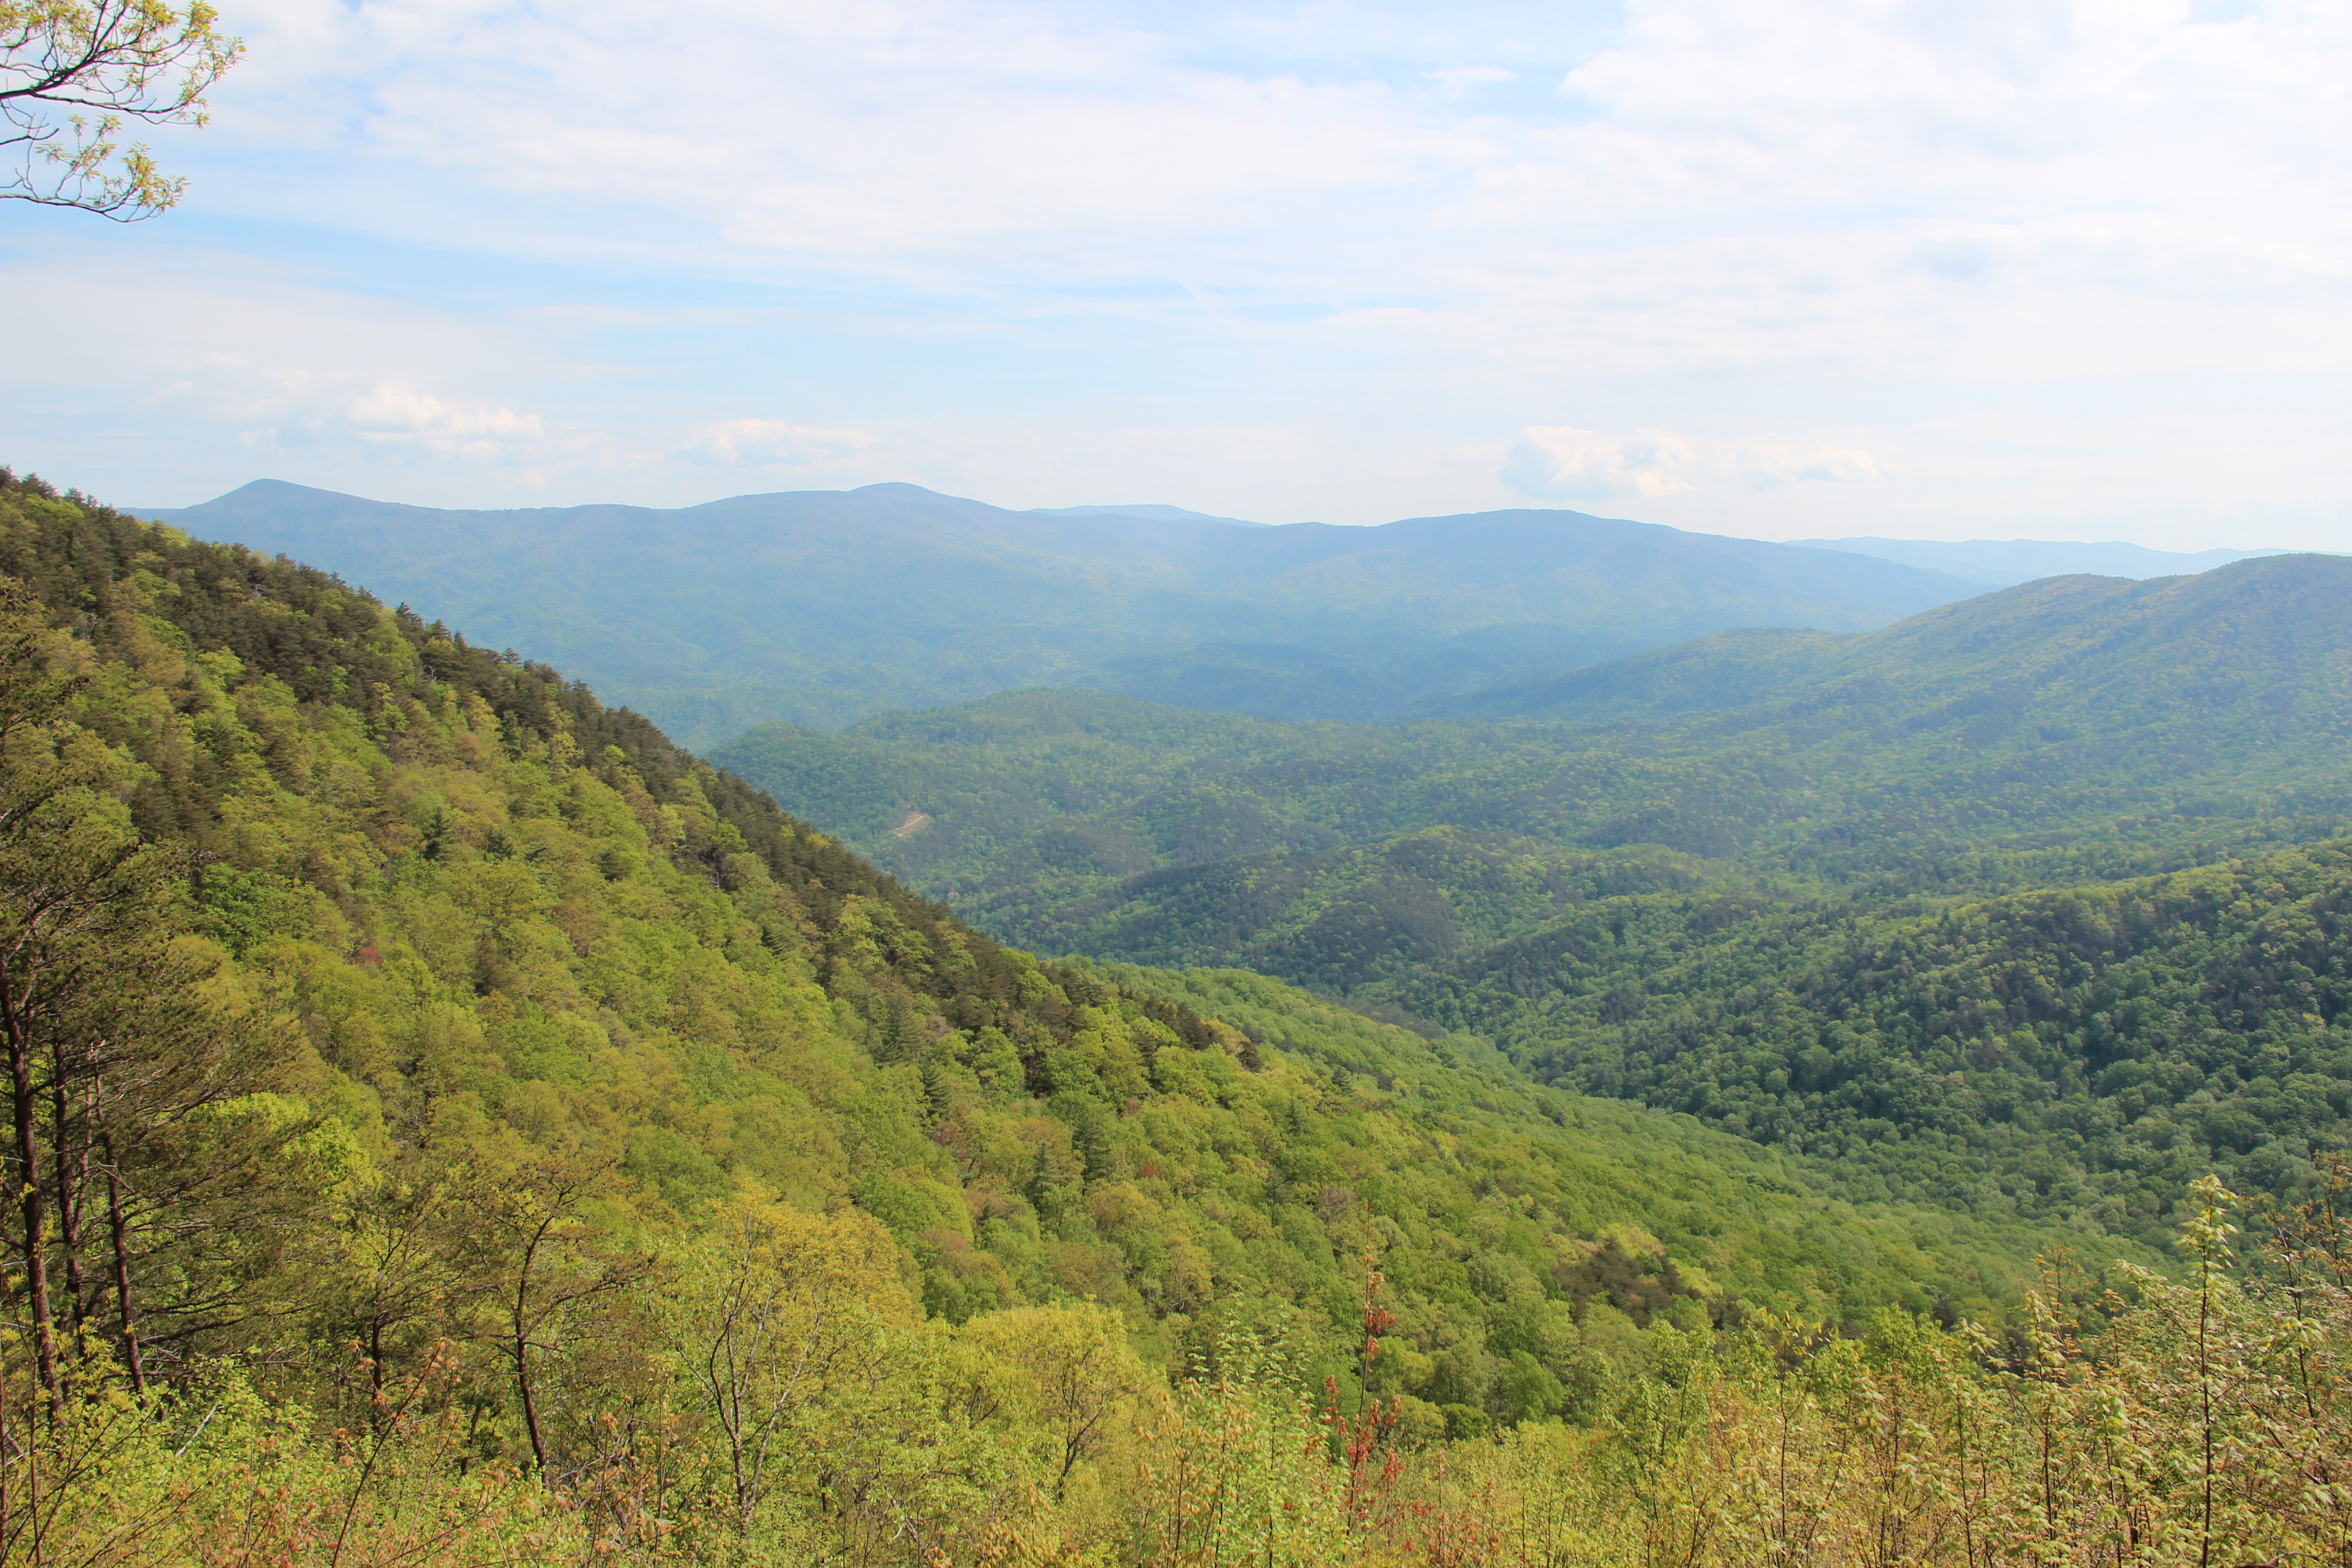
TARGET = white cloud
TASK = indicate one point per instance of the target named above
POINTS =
(1561, 462)
(911, 135)
(476, 432)
(1738, 173)
(1468, 78)
(231, 388)
(770, 444)
(1771, 463)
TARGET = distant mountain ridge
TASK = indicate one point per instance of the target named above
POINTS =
(2245, 653)
(822, 606)
(2003, 563)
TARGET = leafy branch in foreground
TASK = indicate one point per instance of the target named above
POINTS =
(74, 72)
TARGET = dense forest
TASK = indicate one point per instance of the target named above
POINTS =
(452, 1124)
(2079, 727)
(2028, 907)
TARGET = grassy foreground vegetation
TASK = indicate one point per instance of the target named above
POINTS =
(450, 1124)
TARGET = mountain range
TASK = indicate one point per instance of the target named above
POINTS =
(822, 607)
(2077, 703)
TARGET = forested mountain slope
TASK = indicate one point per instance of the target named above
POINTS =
(824, 606)
(2255, 650)
(2084, 1051)
(501, 1010)
(2070, 725)
(1614, 897)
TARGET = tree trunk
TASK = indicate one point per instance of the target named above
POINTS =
(114, 1223)
(4, 1536)
(73, 1180)
(522, 1352)
(37, 1272)
(529, 1405)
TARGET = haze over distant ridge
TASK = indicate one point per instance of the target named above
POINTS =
(824, 607)
(2003, 563)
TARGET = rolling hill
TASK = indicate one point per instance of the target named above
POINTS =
(2059, 721)
(2254, 651)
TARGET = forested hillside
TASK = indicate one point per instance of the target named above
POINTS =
(824, 607)
(2076, 726)
(409, 1046)
(1723, 878)
(2088, 1051)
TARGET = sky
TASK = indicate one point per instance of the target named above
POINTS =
(1781, 268)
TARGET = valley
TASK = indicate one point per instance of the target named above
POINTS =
(1883, 896)
(1071, 1077)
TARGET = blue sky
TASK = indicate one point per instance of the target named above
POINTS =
(1773, 268)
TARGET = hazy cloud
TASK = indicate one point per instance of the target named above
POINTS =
(1559, 462)
(1468, 79)
(1771, 464)
(476, 432)
(770, 444)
